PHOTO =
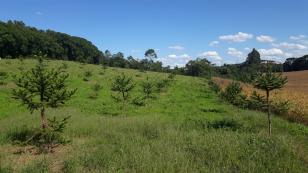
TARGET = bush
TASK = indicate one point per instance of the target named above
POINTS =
(87, 74)
(139, 101)
(214, 86)
(147, 88)
(280, 107)
(232, 92)
(225, 123)
(3, 77)
(64, 66)
(161, 84)
(44, 139)
(171, 76)
(95, 93)
(257, 101)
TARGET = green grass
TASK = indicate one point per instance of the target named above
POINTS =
(186, 128)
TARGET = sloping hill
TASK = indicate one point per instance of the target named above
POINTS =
(186, 128)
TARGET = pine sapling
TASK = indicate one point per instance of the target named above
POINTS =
(40, 88)
(268, 82)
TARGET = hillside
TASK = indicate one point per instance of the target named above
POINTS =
(185, 128)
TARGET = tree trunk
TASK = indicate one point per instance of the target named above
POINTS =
(268, 114)
(43, 118)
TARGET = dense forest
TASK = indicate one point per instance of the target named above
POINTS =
(296, 64)
(18, 40)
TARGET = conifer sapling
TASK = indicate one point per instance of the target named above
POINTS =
(41, 87)
(267, 82)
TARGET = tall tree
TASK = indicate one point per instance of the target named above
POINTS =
(253, 57)
(268, 82)
(151, 54)
(41, 87)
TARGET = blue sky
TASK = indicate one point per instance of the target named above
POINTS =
(224, 31)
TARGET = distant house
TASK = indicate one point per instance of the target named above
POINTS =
(269, 62)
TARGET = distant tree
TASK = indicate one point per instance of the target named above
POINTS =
(118, 60)
(122, 85)
(269, 81)
(198, 67)
(150, 54)
(296, 64)
(40, 88)
(253, 57)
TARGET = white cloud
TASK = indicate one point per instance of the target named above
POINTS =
(177, 47)
(271, 52)
(38, 13)
(213, 43)
(212, 56)
(265, 39)
(239, 37)
(235, 53)
(286, 45)
(298, 37)
(175, 60)
(247, 49)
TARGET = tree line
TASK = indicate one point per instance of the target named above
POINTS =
(20, 41)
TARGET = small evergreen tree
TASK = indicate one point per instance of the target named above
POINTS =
(147, 88)
(41, 87)
(267, 82)
(123, 86)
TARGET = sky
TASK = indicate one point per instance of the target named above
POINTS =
(223, 31)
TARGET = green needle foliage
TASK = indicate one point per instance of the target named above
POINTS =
(122, 86)
(147, 88)
(40, 88)
(268, 82)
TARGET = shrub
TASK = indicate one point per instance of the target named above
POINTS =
(87, 74)
(232, 92)
(257, 101)
(147, 88)
(280, 107)
(225, 123)
(97, 87)
(171, 76)
(44, 139)
(95, 93)
(64, 66)
(214, 86)
(138, 101)
(3, 77)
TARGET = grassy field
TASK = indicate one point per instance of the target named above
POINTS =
(295, 91)
(186, 128)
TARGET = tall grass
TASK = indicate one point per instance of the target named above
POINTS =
(185, 129)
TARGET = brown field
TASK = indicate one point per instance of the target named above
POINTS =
(295, 91)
